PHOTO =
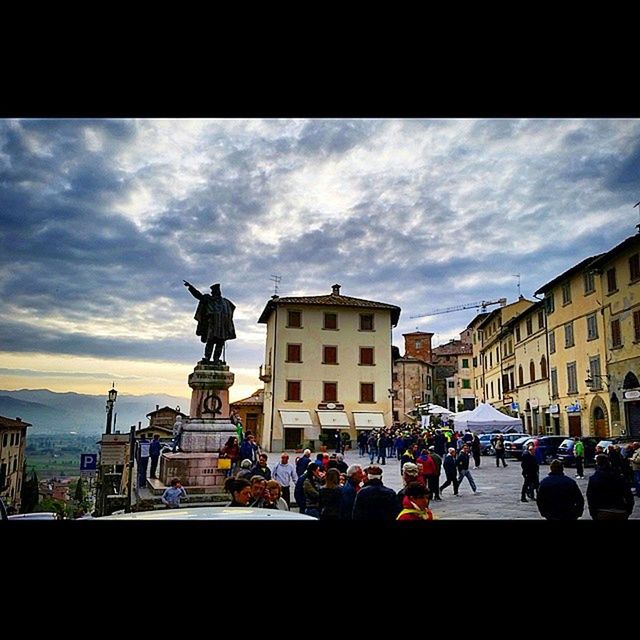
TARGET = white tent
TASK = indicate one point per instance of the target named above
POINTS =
(485, 419)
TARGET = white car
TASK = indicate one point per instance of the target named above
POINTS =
(208, 513)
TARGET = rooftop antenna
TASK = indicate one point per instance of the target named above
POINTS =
(517, 275)
(634, 206)
(276, 282)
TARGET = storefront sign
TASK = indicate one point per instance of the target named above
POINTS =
(631, 395)
(574, 408)
(554, 408)
(534, 403)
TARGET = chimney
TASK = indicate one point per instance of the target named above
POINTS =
(140, 424)
(157, 407)
(335, 290)
(18, 419)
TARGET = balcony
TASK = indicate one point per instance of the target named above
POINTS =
(265, 375)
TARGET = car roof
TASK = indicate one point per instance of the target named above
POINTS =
(39, 515)
(209, 513)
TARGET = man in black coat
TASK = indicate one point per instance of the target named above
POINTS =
(375, 501)
(608, 495)
(530, 469)
(559, 497)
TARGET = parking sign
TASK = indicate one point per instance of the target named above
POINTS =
(88, 461)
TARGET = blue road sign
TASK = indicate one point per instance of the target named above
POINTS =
(88, 461)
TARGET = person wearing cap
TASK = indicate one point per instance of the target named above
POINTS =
(559, 497)
(375, 502)
(410, 473)
(450, 470)
(284, 473)
(245, 470)
(415, 504)
(215, 321)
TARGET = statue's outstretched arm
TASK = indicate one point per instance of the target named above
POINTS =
(192, 290)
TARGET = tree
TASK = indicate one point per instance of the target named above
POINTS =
(29, 495)
(79, 493)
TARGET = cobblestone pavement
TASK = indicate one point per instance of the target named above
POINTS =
(498, 496)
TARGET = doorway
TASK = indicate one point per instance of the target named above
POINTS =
(600, 423)
(633, 418)
(575, 428)
(293, 438)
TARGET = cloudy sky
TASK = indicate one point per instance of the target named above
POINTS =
(100, 220)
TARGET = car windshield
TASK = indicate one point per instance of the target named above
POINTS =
(567, 443)
(604, 443)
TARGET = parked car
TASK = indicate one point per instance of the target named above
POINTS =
(185, 514)
(621, 441)
(485, 443)
(548, 446)
(565, 451)
(506, 437)
(514, 448)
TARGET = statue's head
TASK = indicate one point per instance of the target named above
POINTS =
(215, 289)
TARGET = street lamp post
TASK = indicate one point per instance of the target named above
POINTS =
(110, 402)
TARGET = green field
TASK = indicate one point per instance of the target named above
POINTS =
(49, 465)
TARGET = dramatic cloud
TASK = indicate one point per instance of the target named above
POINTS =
(100, 220)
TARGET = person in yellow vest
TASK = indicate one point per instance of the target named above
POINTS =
(416, 503)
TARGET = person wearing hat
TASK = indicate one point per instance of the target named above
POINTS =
(215, 321)
(415, 504)
(375, 502)
(410, 474)
(245, 469)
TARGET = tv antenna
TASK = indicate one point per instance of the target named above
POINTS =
(517, 275)
(276, 282)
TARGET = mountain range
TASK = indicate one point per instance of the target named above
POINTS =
(51, 412)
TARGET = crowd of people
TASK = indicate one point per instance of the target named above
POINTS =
(326, 488)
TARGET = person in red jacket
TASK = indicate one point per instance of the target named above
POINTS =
(416, 503)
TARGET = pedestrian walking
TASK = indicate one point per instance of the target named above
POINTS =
(498, 447)
(463, 468)
(475, 450)
(451, 471)
(285, 474)
(608, 496)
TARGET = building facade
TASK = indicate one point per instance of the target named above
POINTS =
(526, 374)
(477, 361)
(250, 413)
(577, 350)
(412, 375)
(494, 333)
(454, 362)
(327, 367)
(619, 274)
(13, 437)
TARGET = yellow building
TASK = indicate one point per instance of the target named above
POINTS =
(13, 437)
(577, 347)
(619, 274)
(528, 369)
(327, 367)
(491, 329)
(477, 360)
(250, 413)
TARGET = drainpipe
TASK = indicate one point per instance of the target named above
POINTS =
(273, 377)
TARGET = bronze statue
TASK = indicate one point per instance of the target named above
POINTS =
(215, 320)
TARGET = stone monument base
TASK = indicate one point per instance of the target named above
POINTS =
(198, 472)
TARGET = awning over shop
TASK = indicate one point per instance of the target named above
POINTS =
(296, 419)
(368, 419)
(333, 419)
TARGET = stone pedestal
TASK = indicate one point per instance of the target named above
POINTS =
(204, 433)
(210, 390)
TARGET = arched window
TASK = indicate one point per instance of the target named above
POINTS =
(630, 381)
(543, 367)
(520, 376)
(615, 408)
(532, 371)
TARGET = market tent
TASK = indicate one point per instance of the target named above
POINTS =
(485, 419)
(460, 419)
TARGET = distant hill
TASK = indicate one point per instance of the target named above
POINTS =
(51, 412)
